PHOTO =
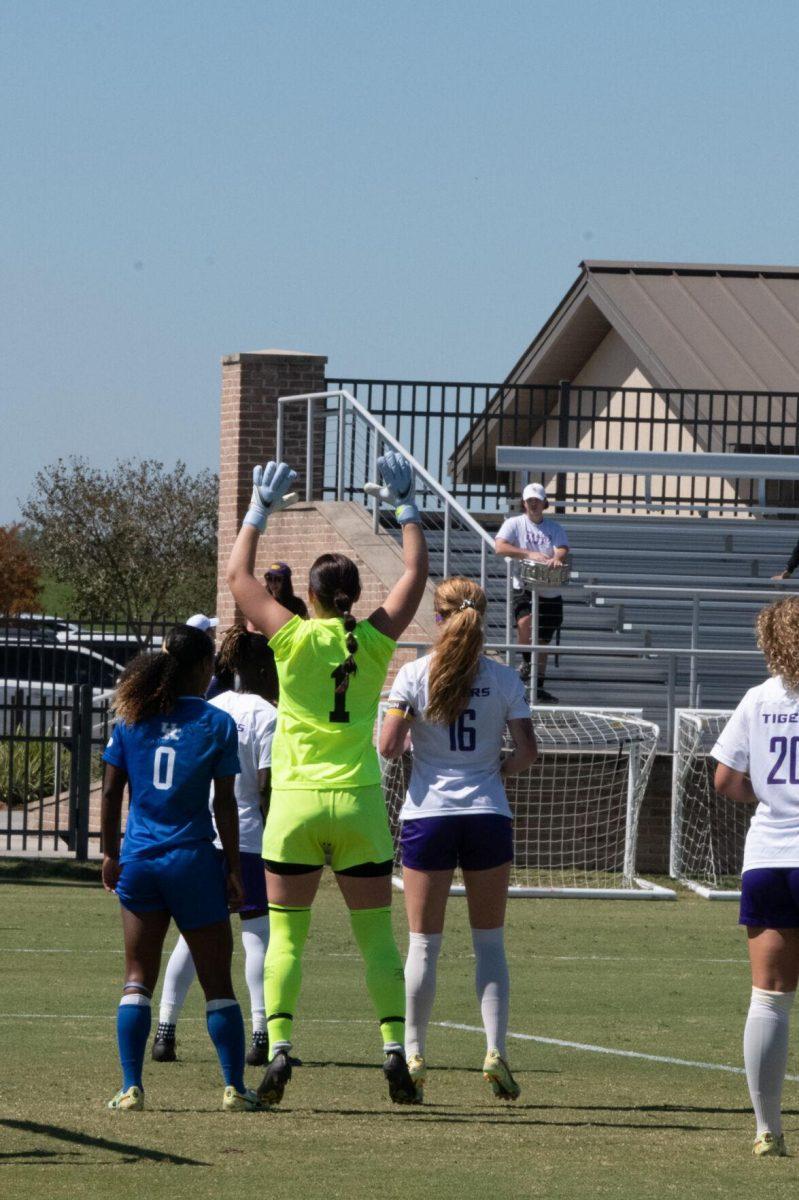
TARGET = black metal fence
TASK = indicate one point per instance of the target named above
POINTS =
(453, 429)
(56, 679)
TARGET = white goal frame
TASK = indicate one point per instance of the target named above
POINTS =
(637, 888)
(676, 870)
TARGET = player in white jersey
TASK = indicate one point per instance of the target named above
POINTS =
(246, 658)
(456, 704)
(758, 757)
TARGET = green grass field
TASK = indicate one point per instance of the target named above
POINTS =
(648, 978)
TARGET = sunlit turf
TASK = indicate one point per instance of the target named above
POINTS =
(655, 978)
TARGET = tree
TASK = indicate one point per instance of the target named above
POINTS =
(136, 540)
(19, 573)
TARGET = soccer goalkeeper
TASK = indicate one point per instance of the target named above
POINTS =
(326, 793)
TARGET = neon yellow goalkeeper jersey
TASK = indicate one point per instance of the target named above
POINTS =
(323, 740)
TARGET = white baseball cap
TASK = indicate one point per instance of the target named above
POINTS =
(535, 491)
(200, 621)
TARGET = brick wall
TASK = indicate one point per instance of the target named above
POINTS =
(251, 384)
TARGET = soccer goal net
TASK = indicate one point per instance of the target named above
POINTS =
(575, 812)
(707, 830)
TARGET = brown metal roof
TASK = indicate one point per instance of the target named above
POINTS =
(692, 326)
(720, 327)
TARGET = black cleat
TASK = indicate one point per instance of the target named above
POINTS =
(401, 1087)
(164, 1044)
(524, 672)
(278, 1074)
(258, 1053)
(545, 697)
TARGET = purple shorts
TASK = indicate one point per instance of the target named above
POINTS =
(253, 877)
(472, 841)
(770, 898)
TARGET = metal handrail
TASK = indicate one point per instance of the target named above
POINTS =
(381, 433)
(671, 655)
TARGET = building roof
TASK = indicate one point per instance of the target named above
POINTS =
(697, 327)
(711, 326)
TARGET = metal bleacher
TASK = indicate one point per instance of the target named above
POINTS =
(610, 554)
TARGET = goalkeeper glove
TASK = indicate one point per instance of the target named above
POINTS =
(398, 488)
(270, 493)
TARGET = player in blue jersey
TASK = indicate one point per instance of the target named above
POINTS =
(456, 705)
(246, 660)
(168, 746)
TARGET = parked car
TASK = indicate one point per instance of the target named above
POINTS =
(36, 682)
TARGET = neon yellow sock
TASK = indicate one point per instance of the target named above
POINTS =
(288, 929)
(385, 978)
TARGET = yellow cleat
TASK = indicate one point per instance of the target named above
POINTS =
(246, 1101)
(769, 1145)
(131, 1100)
(497, 1072)
(417, 1069)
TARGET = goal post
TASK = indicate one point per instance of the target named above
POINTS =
(575, 812)
(708, 831)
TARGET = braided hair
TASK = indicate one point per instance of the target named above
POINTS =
(152, 682)
(249, 656)
(335, 581)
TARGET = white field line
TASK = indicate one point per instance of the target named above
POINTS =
(591, 1049)
(587, 1047)
(311, 953)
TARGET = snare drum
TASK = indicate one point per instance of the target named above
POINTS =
(538, 574)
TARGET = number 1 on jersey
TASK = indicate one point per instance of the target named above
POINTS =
(339, 715)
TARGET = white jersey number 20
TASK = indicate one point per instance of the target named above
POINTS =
(163, 768)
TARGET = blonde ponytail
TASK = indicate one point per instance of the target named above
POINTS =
(456, 658)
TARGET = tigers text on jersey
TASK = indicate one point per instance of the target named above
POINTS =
(323, 738)
(456, 768)
(544, 537)
(170, 762)
(255, 725)
(761, 739)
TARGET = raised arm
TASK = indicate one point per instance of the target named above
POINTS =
(270, 485)
(399, 607)
(401, 604)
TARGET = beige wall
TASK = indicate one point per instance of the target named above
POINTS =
(613, 364)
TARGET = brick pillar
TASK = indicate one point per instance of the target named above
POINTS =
(251, 384)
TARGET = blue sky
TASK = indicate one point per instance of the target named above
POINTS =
(406, 187)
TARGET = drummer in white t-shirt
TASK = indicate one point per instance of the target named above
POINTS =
(456, 703)
(758, 757)
(535, 538)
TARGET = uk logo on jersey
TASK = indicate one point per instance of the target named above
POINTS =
(169, 732)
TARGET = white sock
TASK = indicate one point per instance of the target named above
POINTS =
(493, 984)
(255, 939)
(179, 975)
(766, 1055)
(420, 988)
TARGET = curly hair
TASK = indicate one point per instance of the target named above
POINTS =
(456, 659)
(152, 682)
(249, 656)
(778, 638)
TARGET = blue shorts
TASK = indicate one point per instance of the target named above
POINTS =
(770, 898)
(188, 882)
(253, 876)
(472, 841)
